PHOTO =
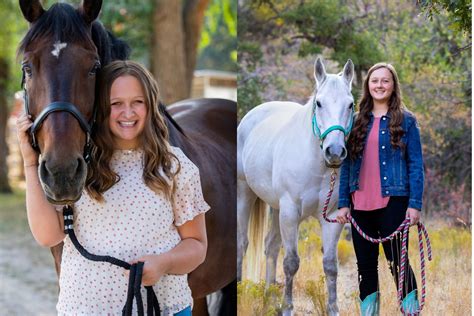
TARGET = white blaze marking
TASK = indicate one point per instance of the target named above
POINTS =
(57, 48)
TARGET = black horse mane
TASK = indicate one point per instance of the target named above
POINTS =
(63, 23)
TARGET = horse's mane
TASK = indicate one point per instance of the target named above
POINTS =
(165, 112)
(109, 47)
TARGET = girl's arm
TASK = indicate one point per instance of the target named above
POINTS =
(414, 156)
(183, 258)
(45, 223)
(344, 190)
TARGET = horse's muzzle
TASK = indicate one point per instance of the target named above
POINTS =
(334, 155)
(63, 181)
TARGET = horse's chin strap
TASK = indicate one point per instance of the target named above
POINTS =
(136, 272)
(401, 230)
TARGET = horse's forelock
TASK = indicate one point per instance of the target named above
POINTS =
(60, 23)
(333, 83)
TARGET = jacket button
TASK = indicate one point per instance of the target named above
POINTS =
(385, 178)
(383, 118)
(383, 132)
(383, 163)
(386, 192)
(383, 147)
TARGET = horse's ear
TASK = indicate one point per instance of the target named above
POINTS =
(319, 72)
(90, 10)
(31, 10)
(348, 72)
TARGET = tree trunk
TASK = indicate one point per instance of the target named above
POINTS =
(4, 185)
(193, 21)
(176, 32)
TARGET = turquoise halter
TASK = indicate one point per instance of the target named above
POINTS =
(317, 131)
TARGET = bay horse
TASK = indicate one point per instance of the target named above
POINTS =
(285, 152)
(63, 51)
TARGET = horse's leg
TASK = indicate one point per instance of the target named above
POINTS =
(330, 237)
(245, 200)
(272, 247)
(200, 307)
(289, 221)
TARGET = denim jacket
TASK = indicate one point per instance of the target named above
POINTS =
(401, 171)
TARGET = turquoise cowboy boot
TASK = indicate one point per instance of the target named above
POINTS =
(370, 305)
(410, 304)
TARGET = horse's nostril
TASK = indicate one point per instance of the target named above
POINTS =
(344, 153)
(43, 170)
(80, 165)
(327, 152)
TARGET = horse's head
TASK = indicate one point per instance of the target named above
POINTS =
(60, 61)
(332, 113)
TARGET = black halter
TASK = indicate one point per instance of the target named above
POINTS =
(59, 107)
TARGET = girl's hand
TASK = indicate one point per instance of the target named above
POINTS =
(154, 268)
(342, 215)
(414, 215)
(30, 156)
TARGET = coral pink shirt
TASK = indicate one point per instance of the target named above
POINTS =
(369, 195)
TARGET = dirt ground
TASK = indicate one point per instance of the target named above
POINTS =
(28, 283)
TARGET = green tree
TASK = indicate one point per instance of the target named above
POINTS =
(218, 46)
(459, 12)
(9, 75)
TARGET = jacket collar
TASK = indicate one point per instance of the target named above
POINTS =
(386, 115)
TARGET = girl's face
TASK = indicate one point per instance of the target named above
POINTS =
(128, 112)
(381, 85)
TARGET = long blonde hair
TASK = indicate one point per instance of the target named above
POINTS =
(159, 172)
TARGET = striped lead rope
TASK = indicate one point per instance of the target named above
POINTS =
(402, 229)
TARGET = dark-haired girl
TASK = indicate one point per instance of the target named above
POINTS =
(382, 182)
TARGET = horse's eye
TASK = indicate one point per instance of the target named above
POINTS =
(351, 105)
(26, 69)
(94, 69)
(318, 104)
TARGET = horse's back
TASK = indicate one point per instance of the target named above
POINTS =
(215, 116)
(270, 111)
(270, 115)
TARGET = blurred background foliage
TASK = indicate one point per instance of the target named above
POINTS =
(428, 42)
(131, 20)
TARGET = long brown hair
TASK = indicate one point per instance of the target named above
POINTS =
(159, 171)
(396, 107)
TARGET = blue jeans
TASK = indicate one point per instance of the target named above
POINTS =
(184, 312)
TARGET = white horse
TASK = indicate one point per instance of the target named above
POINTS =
(284, 155)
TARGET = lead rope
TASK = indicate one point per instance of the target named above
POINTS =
(403, 229)
(135, 277)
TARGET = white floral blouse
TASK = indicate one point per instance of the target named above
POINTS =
(132, 222)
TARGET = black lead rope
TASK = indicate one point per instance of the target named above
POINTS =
(135, 278)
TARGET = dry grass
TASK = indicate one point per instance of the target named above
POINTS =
(448, 276)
